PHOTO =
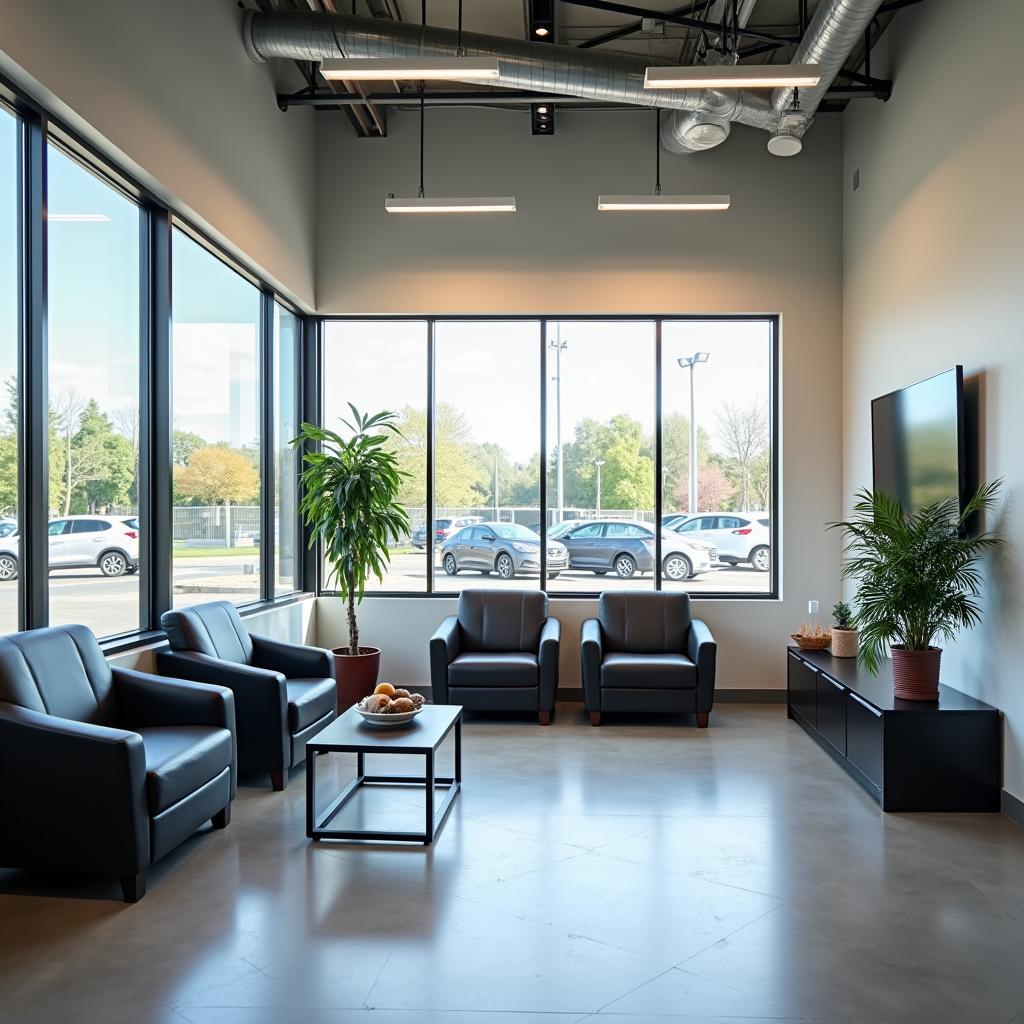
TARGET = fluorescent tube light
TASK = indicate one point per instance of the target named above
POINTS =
(457, 204)
(734, 76)
(76, 218)
(651, 203)
(371, 69)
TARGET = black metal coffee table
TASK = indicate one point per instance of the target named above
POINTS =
(350, 734)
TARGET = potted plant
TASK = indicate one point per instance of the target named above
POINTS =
(350, 489)
(919, 580)
(845, 637)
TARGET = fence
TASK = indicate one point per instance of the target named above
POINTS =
(523, 515)
(212, 526)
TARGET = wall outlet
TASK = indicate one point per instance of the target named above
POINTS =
(812, 607)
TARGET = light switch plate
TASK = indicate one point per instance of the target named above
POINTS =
(812, 607)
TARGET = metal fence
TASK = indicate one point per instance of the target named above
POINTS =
(523, 515)
(211, 526)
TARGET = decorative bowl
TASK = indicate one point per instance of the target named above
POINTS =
(809, 642)
(396, 718)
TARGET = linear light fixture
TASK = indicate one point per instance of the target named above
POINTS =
(734, 76)
(373, 69)
(77, 218)
(453, 204)
(663, 203)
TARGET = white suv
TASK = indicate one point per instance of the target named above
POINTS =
(108, 543)
(738, 536)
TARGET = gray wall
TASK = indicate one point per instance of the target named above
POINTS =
(777, 251)
(167, 89)
(933, 265)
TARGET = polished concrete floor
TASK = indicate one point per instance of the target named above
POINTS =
(633, 873)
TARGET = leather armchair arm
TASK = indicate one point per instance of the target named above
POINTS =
(144, 700)
(71, 779)
(547, 662)
(444, 649)
(296, 661)
(261, 704)
(591, 656)
(702, 650)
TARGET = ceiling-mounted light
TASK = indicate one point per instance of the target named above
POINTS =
(734, 76)
(454, 204)
(657, 202)
(370, 69)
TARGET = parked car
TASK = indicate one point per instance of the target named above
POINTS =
(626, 547)
(737, 536)
(8, 526)
(505, 548)
(671, 520)
(443, 529)
(108, 543)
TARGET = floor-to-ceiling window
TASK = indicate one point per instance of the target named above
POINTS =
(216, 439)
(10, 278)
(93, 349)
(287, 541)
(608, 520)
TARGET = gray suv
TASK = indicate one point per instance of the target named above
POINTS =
(505, 548)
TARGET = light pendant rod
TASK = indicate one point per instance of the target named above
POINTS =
(734, 76)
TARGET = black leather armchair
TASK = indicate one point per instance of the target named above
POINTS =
(103, 769)
(500, 653)
(284, 693)
(645, 653)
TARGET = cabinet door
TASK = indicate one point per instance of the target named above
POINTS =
(832, 712)
(803, 698)
(864, 737)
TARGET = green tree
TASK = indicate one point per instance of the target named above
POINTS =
(675, 459)
(102, 468)
(9, 449)
(184, 444)
(627, 476)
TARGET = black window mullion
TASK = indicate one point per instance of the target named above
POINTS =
(34, 419)
(659, 482)
(543, 455)
(431, 338)
(268, 495)
(311, 384)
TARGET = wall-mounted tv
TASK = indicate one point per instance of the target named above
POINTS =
(917, 441)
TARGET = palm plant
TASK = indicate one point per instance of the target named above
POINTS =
(350, 491)
(918, 575)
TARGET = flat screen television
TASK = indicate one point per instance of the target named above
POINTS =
(917, 441)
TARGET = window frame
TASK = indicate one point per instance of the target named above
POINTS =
(772, 321)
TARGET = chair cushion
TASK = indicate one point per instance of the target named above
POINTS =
(502, 620)
(214, 629)
(483, 669)
(180, 759)
(644, 623)
(309, 700)
(648, 672)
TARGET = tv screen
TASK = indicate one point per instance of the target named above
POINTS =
(917, 441)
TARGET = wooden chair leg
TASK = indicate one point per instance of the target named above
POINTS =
(595, 717)
(702, 719)
(222, 818)
(133, 887)
(544, 717)
(279, 780)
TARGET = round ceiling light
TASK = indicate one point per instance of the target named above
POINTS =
(785, 144)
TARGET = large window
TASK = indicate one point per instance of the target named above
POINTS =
(377, 365)
(287, 542)
(93, 325)
(216, 439)
(10, 277)
(603, 525)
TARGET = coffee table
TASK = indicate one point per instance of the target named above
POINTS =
(350, 734)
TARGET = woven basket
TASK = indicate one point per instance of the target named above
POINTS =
(812, 643)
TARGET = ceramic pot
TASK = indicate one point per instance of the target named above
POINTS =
(915, 674)
(845, 642)
(355, 674)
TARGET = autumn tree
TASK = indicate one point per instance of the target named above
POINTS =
(217, 475)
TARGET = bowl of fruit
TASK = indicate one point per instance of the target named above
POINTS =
(390, 705)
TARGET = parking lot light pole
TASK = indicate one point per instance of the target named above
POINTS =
(559, 346)
(689, 363)
(599, 463)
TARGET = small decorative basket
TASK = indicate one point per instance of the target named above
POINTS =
(812, 642)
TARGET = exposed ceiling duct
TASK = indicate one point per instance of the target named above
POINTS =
(702, 119)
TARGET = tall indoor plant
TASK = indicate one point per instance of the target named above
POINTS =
(918, 581)
(350, 489)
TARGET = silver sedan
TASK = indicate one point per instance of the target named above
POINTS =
(505, 548)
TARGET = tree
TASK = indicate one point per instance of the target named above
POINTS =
(713, 489)
(744, 437)
(217, 475)
(675, 457)
(627, 476)
(184, 444)
(102, 467)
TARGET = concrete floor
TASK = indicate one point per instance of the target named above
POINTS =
(638, 872)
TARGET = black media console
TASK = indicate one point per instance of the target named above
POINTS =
(909, 755)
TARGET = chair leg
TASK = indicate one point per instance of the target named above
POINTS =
(595, 717)
(133, 887)
(279, 780)
(702, 719)
(222, 818)
(544, 717)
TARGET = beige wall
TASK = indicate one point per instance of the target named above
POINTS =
(777, 251)
(933, 266)
(167, 89)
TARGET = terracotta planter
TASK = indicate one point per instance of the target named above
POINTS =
(355, 674)
(915, 674)
(845, 642)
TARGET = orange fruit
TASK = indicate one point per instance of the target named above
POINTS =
(386, 688)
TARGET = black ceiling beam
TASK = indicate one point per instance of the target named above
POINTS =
(856, 76)
(674, 19)
(439, 98)
(896, 5)
(856, 92)
(635, 26)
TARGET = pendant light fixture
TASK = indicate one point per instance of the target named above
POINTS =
(734, 76)
(421, 69)
(450, 204)
(658, 202)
